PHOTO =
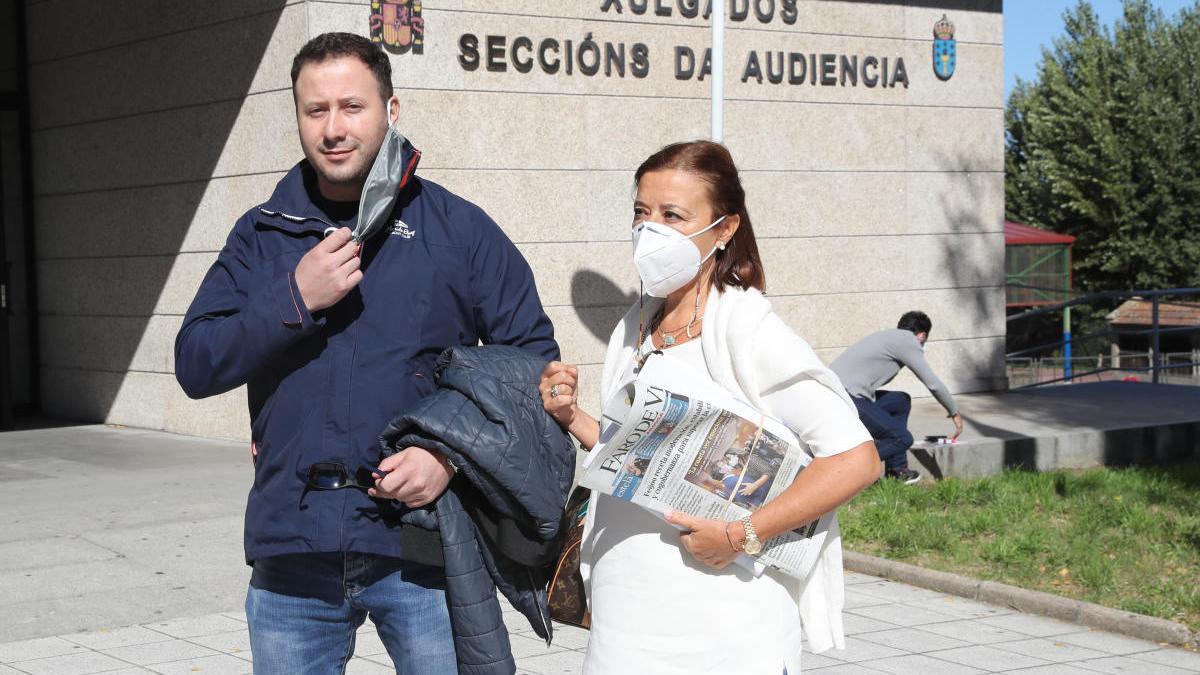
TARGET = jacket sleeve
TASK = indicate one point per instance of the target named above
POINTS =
(238, 320)
(507, 308)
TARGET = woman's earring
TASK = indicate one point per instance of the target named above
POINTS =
(720, 246)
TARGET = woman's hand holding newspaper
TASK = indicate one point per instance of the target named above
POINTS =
(706, 539)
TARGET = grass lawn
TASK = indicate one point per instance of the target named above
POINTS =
(1124, 538)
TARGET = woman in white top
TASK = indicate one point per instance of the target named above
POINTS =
(663, 601)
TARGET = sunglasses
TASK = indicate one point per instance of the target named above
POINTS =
(335, 476)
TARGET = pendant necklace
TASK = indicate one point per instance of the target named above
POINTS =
(668, 337)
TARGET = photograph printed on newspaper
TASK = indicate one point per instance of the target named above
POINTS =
(671, 440)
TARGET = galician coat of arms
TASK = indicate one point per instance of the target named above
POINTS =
(398, 26)
(943, 49)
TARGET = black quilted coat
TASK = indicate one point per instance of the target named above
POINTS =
(515, 469)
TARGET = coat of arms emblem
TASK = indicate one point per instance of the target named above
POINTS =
(943, 49)
(398, 26)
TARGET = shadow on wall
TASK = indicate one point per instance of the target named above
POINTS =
(599, 303)
(980, 288)
(119, 181)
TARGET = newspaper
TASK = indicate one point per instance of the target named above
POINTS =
(671, 440)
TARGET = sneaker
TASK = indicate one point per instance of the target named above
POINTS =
(906, 476)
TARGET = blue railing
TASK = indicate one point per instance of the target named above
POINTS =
(1155, 332)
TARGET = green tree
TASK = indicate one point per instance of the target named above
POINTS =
(1104, 145)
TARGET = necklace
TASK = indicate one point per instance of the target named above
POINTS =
(669, 336)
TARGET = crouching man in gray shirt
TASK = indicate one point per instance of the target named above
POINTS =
(873, 362)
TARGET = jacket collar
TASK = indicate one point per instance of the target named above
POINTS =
(291, 205)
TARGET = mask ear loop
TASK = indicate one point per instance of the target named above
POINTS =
(641, 361)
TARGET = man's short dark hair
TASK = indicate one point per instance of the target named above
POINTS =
(917, 322)
(337, 45)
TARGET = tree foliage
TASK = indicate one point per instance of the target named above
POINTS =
(1105, 145)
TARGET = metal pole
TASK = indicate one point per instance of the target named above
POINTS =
(1155, 358)
(718, 71)
(1067, 344)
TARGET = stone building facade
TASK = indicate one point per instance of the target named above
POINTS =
(875, 185)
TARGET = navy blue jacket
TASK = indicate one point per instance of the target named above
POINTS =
(515, 464)
(321, 386)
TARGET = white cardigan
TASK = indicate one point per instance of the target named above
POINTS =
(736, 323)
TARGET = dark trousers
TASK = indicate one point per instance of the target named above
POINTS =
(886, 418)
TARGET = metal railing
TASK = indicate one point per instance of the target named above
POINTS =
(1031, 365)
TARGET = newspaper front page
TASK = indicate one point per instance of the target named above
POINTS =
(672, 440)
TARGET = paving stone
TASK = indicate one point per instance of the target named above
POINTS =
(380, 659)
(853, 624)
(360, 666)
(1128, 665)
(38, 648)
(854, 600)
(855, 578)
(517, 623)
(963, 608)
(902, 615)
(1172, 656)
(566, 661)
(1110, 643)
(570, 637)
(159, 652)
(197, 626)
(974, 631)
(1036, 626)
(1054, 669)
(117, 637)
(531, 646)
(896, 592)
(1053, 650)
(82, 663)
(846, 669)
(987, 658)
(368, 643)
(810, 661)
(230, 642)
(913, 640)
(858, 649)
(920, 663)
(218, 664)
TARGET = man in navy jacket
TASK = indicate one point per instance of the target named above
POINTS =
(333, 332)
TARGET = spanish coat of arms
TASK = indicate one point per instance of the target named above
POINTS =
(397, 25)
(943, 49)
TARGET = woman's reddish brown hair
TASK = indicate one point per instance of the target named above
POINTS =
(739, 264)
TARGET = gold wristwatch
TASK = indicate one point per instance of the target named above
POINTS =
(752, 545)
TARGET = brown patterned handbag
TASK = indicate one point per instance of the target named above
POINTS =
(568, 603)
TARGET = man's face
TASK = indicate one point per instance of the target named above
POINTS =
(342, 121)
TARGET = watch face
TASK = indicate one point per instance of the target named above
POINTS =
(753, 546)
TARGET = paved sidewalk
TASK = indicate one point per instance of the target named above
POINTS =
(891, 628)
(124, 546)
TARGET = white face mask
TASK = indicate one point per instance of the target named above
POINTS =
(665, 258)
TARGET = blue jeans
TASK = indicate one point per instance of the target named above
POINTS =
(886, 418)
(303, 610)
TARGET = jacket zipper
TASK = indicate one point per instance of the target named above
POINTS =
(541, 615)
(294, 219)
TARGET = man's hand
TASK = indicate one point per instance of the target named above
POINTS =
(705, 539)
(329, 271)
(958, 422)
(418, 476)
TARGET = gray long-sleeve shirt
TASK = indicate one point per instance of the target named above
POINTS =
(875, 360)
